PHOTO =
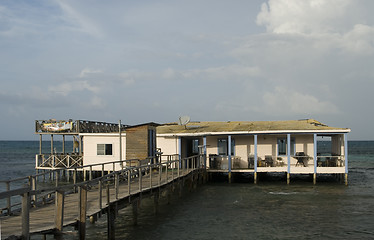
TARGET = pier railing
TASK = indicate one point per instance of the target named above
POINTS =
(58, 161)
(217, 162)
(41, 188)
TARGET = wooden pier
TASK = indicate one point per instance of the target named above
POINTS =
(49, 210)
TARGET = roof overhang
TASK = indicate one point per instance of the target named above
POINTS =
(332, 132)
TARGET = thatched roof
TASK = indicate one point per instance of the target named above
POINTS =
(307, 125)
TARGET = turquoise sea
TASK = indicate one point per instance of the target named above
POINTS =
(241, 210)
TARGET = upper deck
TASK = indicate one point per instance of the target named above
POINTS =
(74, 127)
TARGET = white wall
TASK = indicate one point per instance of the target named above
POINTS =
(244, 146)
(168, 145)
(90, 149)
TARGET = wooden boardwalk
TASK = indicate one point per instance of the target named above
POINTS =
(101, 194)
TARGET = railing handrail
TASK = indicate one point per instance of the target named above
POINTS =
(76, 167)
(18, 191)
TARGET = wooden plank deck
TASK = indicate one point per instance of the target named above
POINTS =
(43, 218)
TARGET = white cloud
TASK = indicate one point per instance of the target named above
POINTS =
(87, 71)
(67, 87)
(304, 17)
(284, 101)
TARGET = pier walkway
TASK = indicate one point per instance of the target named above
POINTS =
(48, 210)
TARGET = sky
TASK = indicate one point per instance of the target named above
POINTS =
(213, 60)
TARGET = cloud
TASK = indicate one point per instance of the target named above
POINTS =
(303, 17)
(77, 21)
(87, 71)
(66, 88)
(332, 24)
(282, 101)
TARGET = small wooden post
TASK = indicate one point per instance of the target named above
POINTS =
(40, 144)
(26, 215)
(169, 192)
(90, 176)
(159, 174)
(156, 197)
(84, 175)
(110, 221)
(150, 177)
(346, 179)
(180, 189)
(75, 179)
(166, 173)
(82, 212)
(107, 194)
(229, 177)
(116, 184)
(314, 178)
(101, 194)
(288, 178)
(129, 181)
(135, 206)
(56, 177)
(9, 199)
(51, 144)
(63, 144)
(59, 212)
(33, 187)
(140, 180)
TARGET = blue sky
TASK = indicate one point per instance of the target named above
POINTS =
(142, 61)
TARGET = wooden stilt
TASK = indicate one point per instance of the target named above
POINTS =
(59, 212)
(346, 179)
(82, 212)
(26, 215)
(255, 178)
(135, 206)
(288, 178)
(314, 178)
(110, 221)
(156, 200)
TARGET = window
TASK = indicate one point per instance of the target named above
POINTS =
(104, 149)
(282, 146)
(223, 146)
(195, 146)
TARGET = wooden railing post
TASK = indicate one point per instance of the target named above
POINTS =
(101, 194)
(160, 174)
(33, 187)
(110, 221)
(150, 177)
(75, 179)
(82, 212)
(116, 184)
(90, 176)
(9, 199)
(59, 212)
(26, 215)
(140, 179)
(166, 172)
(129, 181)
(56, 177)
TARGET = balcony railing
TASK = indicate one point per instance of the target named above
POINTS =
(58, 160)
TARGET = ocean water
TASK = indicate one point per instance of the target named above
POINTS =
(270, 209)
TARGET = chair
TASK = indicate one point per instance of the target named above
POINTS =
(269, 161)
(301, 158)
